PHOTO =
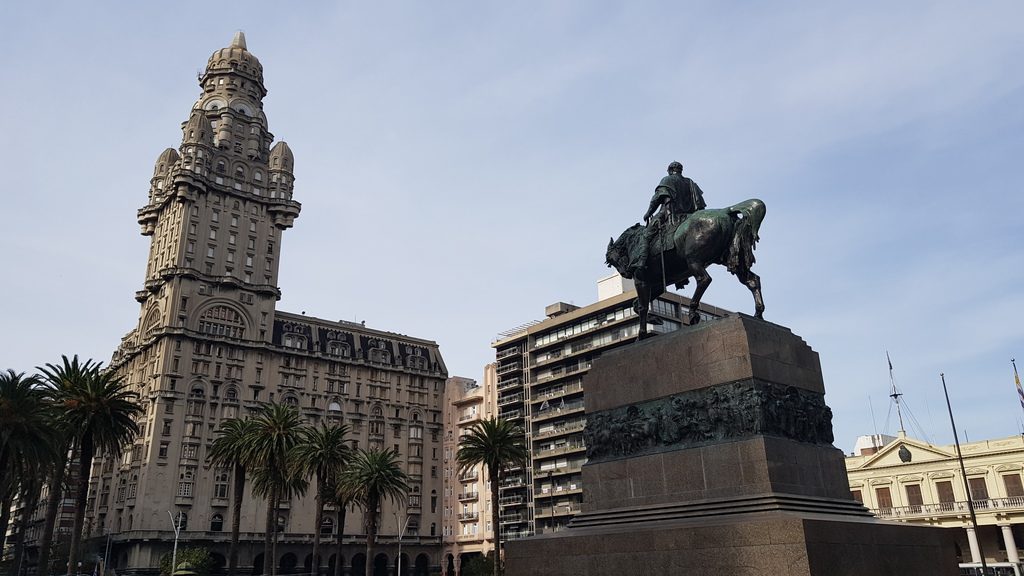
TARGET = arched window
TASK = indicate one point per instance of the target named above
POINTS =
(222, 321)
(231, 394)
(197, 393)
(222, 166)
(152, 322)
(216, 523)
(181, 519)
(257, 176)
(334, 407)
(291, 401)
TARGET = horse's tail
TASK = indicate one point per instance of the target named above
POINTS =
(745, 234)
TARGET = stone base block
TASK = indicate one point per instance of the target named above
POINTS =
(774, 543)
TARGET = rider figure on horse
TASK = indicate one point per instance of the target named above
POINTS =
(678, 197)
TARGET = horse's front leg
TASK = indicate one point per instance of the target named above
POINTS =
(642, 306)
(703, 281)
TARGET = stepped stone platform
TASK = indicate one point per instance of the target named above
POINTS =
(710, 452)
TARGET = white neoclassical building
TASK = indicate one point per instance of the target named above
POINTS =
(907, 480)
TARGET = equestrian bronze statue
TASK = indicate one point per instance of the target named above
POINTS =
(682, 240)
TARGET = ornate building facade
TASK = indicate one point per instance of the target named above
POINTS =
(906, 480)
(211, 345)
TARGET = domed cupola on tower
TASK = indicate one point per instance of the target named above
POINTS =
(160, 184)
(236, 59)
(165, 162)
(281, 164)
(198, 130)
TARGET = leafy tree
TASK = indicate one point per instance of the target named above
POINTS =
(342, 497)
(198, 558)
(478, 565)
(99, 412)
(498, 445)
(230, 450)
(27, 439)
(322, 453)
(374, 475)
(275, 434)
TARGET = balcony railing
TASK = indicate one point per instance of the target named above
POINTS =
(558, 391)
(466, 516)
(565, 429)
(509, 368)
(510, 399)
(512, 500)
(509, 383)
(507, 353)
(469, 495)
(1013, 503)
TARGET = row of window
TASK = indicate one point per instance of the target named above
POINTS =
(943, 490)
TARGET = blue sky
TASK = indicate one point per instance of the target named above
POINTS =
(476, 157)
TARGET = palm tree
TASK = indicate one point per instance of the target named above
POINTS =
(342, 497)
(323, 454)
(275, 434)
(498, 445)
(99, 411)
(373, 476)
(27, 437)
(229, 450)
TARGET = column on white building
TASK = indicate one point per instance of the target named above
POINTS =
(1011, 545)
(972, 539)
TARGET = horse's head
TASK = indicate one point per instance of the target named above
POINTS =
(617, 254)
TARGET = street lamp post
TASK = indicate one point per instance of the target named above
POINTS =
(400, 526)
(176, 524)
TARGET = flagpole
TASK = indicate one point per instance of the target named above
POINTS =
(895, 395)
(963, 470)
(1016, 380)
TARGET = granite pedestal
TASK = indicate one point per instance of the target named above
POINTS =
(710, 452)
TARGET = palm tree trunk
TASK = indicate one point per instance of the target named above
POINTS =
(372, 502)
(5, 516)
(268, 536)
(31, 495)
(317, 522)
(84, 469)
(273, 541)
(54, 496)
(342, 509)
(495, 519)
(236, 518)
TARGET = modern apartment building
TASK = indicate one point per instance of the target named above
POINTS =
(467, 529)
(540, 369)
(211, 345)
(907, 480)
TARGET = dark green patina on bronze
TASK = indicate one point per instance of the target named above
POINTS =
(720, 413)
(681, 239)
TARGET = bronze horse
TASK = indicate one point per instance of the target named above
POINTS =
(718, 236)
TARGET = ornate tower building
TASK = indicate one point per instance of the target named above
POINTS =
(210, 345)
(218, 207)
